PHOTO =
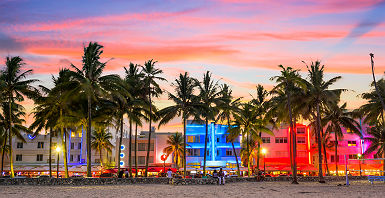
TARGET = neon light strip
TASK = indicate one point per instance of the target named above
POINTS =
(308, 144)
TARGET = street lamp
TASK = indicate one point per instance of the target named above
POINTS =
(264, 151)
(58, 149)
(359, 160)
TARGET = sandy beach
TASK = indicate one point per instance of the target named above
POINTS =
(265, 189)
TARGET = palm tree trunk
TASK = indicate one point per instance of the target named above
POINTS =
(50, 154)
(293, 140)
(120, 142)
(89, 138)
(248, 155)
(335, 152)
(136, 150)
(101, 161)
(149, 132)
(375, 85)
(320, 174)
(3, 154)
(235, 153)
(10, 137)
(64, 145)
(206, 140)
(325, 154)
(130, 150)
(383, 164)
(184, 146)
(258, 152)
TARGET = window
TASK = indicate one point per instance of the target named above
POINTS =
(217, 152)
(80, 134)
(301, 130)
(73, 134)
(79, 159)
(71, 158)
(194, 152)
(208, 153)
(352, 143)
(266, 139)
(333, 158)
(151, 160)
(19, 158)
(353, 156)
(192, 139)
(348, 130)
(141, 159)
(19, 145)
(72, 145)
(218, 139)
(301, 140)
(142, 147)
(39, 157)
(281, 140)
(152, 147)
(40, 145)
(79, 145)
(229, 152)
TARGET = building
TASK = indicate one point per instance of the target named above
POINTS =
(219, 151)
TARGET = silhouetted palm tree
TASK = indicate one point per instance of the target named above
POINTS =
(101, 141)
(153, 89)
(376, 139)
(92, 84)
(380, 98)
(372, 110)
(337, 117)
(287, 82)
(15, 88)
(184, 106)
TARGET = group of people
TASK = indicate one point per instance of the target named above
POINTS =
(220, 175)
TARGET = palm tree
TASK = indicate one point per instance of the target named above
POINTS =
(184, 106)
(153, 89)
(3, 142)
(176, 148)
(209, 97)
(248, 124)
(377, 141)
(15, 87)
(337, 117)
(376, 87)
(101, 141)
(319, 95)
(287, 82)
(228, 107)
(92, 84)
(372, 111)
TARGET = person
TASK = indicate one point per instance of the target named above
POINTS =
(120, 174)
(221, 176)
(126, 173)
(169, 173)
(215, 174)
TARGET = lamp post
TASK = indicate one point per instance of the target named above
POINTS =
(264, 151)
(359, 160)
(58, 151)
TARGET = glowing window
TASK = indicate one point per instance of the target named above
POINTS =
(73, 134)
(301, 130)
(80, 134)
(352, 143)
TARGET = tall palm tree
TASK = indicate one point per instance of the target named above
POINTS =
(287, 82)
(101, 141)
(228, 107)
(372, 110)
(15, 88)
(337, 117)
(377, 141)
(176, 148)
(153, 89)
(319, 95)
(92, 84)
(209, 97)
(376, 87)
(184, 106)
(248, 124)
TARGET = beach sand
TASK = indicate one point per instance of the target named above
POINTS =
(263, 189)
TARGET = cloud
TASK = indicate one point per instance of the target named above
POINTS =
(9, 44)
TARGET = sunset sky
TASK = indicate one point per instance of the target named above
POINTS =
(240, 41)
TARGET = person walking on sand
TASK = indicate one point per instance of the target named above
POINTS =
(221, 176)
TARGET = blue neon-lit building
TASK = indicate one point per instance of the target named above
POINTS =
(219, 152)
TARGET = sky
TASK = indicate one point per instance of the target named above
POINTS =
(241, 42)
